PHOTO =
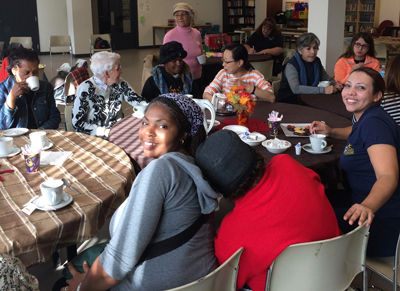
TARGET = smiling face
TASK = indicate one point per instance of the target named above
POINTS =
(159, 132)
(360, 49)
(309, 53)
(25, 70)
(182, 18)
(266, 30)
(174, 67)
(358, 93)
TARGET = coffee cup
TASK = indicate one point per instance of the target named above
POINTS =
(202, 59)
(52, 191)
(6, 145)
(318, 142)
(140, 109)
(38, 139)
(324, 84)
(33, 83)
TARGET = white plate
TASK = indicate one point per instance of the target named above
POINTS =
(15, 132)
(41, 204)
(236, 128)
(14, 151)
(47, 145)
(308, 149)
(289, 133)
(216, 123)
(260, 138)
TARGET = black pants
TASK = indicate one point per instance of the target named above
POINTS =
(383, 233)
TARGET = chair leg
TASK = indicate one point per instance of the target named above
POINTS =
(51, 61)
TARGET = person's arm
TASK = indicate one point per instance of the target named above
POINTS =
(54, 114)
(150, 89)
(275, 51)
(130, 96)
(293, 79)
(334, 87)
(195, 91)
(384, 161)
(336, 133)
(7, 115)
(275, 46)
(250, 49)
(215, 86)
(251, 42)
(342, 70)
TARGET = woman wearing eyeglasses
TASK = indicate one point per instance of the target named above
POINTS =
(360, 53)
(189, 37)
(267, 39)
(237, 71)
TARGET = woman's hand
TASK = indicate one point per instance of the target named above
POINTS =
(320, 127)
(18, 89)
(263, 52)
(236, 82)
(77, 277)
(338, 86)
(357, 66)
(360, 212)
(330, 89)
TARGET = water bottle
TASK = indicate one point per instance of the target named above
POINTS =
(382, 71)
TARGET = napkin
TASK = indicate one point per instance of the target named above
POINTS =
(54, 158)
(254, 124)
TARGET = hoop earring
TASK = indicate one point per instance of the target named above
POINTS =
(182, 141)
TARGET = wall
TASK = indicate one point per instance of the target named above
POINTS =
(390, 10)
(261, 11)
(205, 11)
(80, 27)
(52, 20)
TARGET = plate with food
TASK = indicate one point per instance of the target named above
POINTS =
(296, 129)
(15, 132)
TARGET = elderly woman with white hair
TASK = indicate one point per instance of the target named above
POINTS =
(189, 37)
(98, 102)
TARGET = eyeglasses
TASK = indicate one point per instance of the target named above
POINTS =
(181, 15)
(362, 46)
(118, 69)
(267, 27)
(227, 62)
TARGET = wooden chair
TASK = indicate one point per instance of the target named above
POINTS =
(381, 31)
(221, 279)
(61, 44)
(92, 41)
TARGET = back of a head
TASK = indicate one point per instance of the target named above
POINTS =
(103, 61)
(226, 161)
(392, 75)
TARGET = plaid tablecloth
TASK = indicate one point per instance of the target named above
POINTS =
(101, 172)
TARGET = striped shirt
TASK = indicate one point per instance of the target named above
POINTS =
(391, 103)
(221, 81)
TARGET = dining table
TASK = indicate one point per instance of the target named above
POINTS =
(125, 134)
(102, 174)
(328, 102)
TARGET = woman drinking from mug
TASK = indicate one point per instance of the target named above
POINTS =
(267, 39)
(371, 160)
(360, 53)
(237, 71)
(303, 72)
(172, 75)
(168, 197)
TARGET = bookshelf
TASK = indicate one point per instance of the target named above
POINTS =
(238, 14)
(361, 14)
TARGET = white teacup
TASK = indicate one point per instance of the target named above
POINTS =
(139, 110)
(38, 139)
(324, 84)
(202, 59)
(33, 83)
(52, 191)
(318, 142)
(6, 145)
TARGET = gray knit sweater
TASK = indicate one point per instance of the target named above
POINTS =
(166, 198)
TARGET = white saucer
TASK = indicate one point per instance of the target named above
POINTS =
(15, 132)
(14, 151)
(41, 205)
(308, 149)
(47, 145)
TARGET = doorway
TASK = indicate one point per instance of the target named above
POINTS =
(119, 18)
(10, 24)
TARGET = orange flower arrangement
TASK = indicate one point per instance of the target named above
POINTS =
(241, 99)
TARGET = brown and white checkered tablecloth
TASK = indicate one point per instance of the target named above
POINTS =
(101, 172)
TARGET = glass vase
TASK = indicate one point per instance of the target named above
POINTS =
(243, 118)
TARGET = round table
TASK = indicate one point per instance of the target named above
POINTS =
(332, 103)
(100, 171)
(125, 134)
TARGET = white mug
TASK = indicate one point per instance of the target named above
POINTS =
(52, 191)
(38, 139)
(318, 142)
(139, 110)
(205, 104)
(33, 83)
(202, 59)
(6, 145)
(324, 84)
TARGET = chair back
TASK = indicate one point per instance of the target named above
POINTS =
(68, 117)
(26, 41)
(92, 41)
(264, 68)
(331, 263)
(62, 43)
(288, 53)
(381, 53)
(276, 85)
(149, 62)
(221, 279)
(386, 267)
(381, 28)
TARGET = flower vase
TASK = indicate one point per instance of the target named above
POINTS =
(243, 118)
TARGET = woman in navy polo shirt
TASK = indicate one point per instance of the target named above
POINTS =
(371, 159)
